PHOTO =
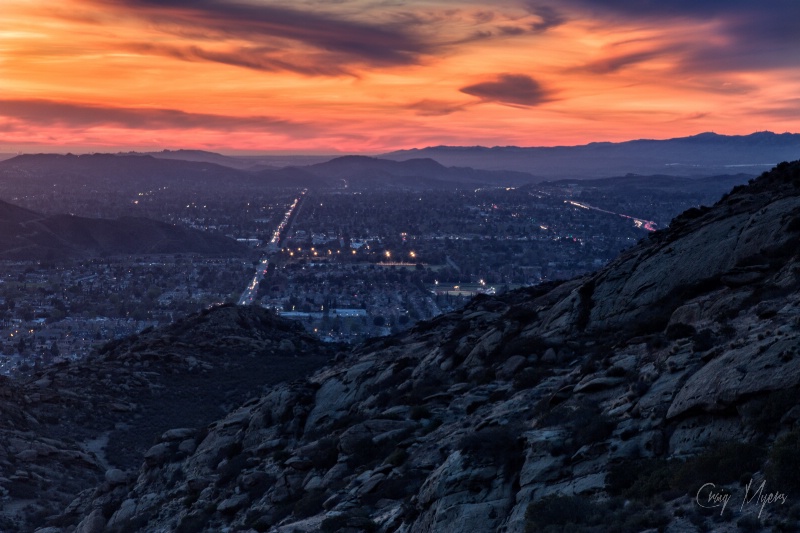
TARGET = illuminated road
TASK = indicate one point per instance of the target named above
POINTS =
(649, 225)
(249, 294)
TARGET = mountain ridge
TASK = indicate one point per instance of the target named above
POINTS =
(702, 154)
(132, 173)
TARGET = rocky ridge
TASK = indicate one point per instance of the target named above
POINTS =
(608, 401)
(77, 424)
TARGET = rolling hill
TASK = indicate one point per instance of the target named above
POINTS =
(25, 234)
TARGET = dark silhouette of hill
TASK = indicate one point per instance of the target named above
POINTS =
(251, 163)
(365, 172)
(716, 185)
(14, 214)
(25, 234)
(127, 174)
(130, 174)
(200, 156)
(699, 155)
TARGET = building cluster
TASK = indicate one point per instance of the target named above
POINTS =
(59, 311)
(350, 264)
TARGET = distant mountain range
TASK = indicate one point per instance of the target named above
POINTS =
(699, 155)
(242, 162)
(25, 234)
(130, 173)
(201, 156)
(122, 173)
(437, 167)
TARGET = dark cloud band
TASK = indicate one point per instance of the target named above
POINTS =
(515, 89)
(53, 113)
(261, 24)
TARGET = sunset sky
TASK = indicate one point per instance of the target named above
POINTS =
(359, 76)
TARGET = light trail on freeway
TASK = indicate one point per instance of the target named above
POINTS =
(649, 225)
(249, 294)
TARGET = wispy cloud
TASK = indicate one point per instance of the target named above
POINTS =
(73, 115)
(548, 17)
(266, 59)
(435, 108)
(607, 65)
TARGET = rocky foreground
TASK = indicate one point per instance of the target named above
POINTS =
(76, 425)
(606, 403)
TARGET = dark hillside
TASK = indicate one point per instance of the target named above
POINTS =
(29, 235)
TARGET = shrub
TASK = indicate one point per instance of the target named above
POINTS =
(367, 453)
(325, 454)
(584, 422)
(499, 446)
(474, 406)
(749, 523)
(383, 398)
(616, 372)
(423, 388)
(432, 426)
(680, 331)
(397, 457)
(578, 514)
(784, 463)
(703, 340)
(310, 504)
(418, 412)
(559, 511)
(585, 304)
(389, 489)
(280, 456)
(334, 523)
(529, 378)
(194, 521)
(230, 469)
(764, 414)
(345, 522)
(595, 429)
(643, 479)
(520, 346)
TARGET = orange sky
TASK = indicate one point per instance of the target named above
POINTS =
(359, 76)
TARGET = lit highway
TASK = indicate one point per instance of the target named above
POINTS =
(249, 294)
(649, 225)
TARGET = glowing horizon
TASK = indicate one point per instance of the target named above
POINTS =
(361, 77)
